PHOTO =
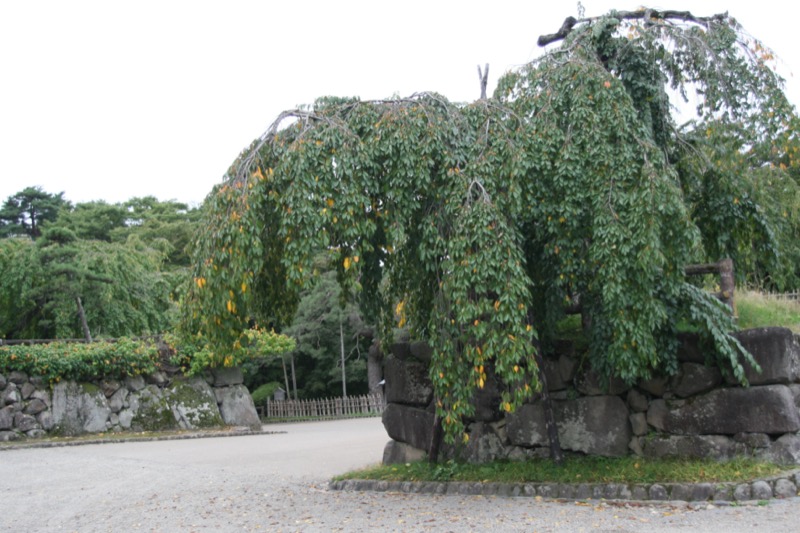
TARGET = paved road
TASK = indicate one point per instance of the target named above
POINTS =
(277, 482)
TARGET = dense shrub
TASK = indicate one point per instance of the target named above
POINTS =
(81, 362)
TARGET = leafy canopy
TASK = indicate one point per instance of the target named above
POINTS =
(477, 224)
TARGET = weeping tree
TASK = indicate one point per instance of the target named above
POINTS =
(476, 225)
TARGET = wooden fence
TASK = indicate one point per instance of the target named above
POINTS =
(327, 408)
(787, 296)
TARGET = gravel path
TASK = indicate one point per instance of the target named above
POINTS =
(277, 483)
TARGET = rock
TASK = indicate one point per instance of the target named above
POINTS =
(125, 418)
(639, 424)
(43, 395)
(655, 386)
(694, 379)
(153, 412)
(785, 489)
(484, 446)
(421, 350)
(36, 433)
(6, 436)
(785, 450)
(589, 383)
(45, 419)
(38, 382)
(636, 445)
(487, 400)
(596, 426)
(109, 387)
(407, 424)
(776, 350)
(11, 395)
(637, 401)
(723, 493)
(760, 490)
(689, 349)
(401, 350)
(3, 381)
(117, 400)
(236, 407)
(35, 407)
(552, 372)
(23, 422)
(690, 446)
(753, 440)
(27, 389)
(742, 492)
(658, 492)
(769, 409)
(407, 382)
(158, 378)
(795, 388)
(79, 408)
(400, 453)
(227, 376)
(194, 404)
(18, 378)
(135, 383)
(567, 366)
(6, 418)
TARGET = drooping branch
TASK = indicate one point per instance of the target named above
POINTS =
(646, 14)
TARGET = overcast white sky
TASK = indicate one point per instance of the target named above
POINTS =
(110, 100)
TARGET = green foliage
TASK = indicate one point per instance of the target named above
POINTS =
(477, 224)
(320, 314)
(757, 310)
(81, 362)
(194, 355)
(24, 213)
(265, 392)
(578, 469)
(121, 288)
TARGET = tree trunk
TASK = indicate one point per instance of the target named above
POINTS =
(549, 418)
(341, 341)
(286, 378)
(436, 440)
(294, 376)
(82, 315)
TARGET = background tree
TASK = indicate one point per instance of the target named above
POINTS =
(477, 224)
(23, 213)
(61, 286)
(329, 331)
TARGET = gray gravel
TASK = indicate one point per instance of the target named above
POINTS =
(278, 482)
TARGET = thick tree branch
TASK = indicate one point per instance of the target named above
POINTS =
(647, 14)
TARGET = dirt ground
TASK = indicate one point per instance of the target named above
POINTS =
(278, 482)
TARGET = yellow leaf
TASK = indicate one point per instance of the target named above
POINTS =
(347, 263)
(330, 202)
(244, 288)
(496, 305)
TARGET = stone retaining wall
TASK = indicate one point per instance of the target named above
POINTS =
(696, 413)
(30, 407)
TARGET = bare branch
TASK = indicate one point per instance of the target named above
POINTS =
(649, 15)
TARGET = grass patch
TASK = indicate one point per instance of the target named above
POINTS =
(576, 469)
(757, 310)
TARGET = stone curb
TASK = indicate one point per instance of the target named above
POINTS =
(243, 432)
(777, 487)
